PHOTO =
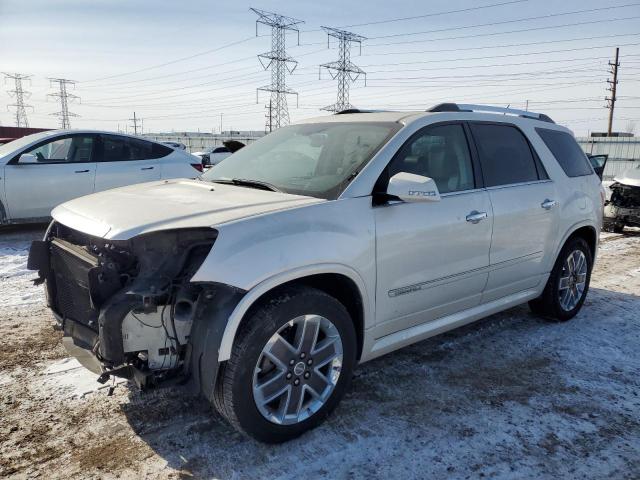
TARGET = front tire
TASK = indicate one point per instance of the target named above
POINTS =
(290, 365)
(568, 283)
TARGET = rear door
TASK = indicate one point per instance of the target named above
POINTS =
(58, 170)
(524, 207)
(125, 161)
(432, 257)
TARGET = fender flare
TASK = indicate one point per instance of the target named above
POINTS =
(233, 323)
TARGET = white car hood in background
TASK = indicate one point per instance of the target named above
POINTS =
(629, 177)
(123, 213)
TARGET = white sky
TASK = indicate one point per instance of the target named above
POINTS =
(558, 63)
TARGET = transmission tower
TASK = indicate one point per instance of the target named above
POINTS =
(20, 95)
(613, 84)
(279, 63)
(344, 70)
(65, 99)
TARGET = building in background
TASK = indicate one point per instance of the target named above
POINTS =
(198, 141)
(623, 152)
(8, 134)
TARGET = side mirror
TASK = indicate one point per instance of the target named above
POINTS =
(28, 158)
(413, 188)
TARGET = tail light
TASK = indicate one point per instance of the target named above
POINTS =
(197, 166)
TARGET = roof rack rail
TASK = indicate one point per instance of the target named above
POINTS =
(467, 107)
(357, 110)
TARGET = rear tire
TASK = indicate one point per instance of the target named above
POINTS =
(273, 358)
(568, 283)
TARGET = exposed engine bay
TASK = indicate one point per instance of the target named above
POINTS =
(623, 209)
(128, 308)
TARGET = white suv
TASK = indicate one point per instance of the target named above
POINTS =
(323, 245)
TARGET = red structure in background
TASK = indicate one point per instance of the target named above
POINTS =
(7, 134)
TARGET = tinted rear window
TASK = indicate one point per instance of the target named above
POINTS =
(566, 151)
(505, 155)
(117, 149)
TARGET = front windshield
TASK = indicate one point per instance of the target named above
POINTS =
(316, 160)
(21, 142)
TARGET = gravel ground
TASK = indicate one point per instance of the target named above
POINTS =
(510, 396)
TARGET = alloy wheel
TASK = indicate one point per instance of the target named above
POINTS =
(573, 280)
(297, 369)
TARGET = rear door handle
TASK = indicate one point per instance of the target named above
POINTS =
(146, 168)
(82, 171)
(548, 204)
(476, 216)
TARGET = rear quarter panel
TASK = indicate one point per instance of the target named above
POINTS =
(178, 165)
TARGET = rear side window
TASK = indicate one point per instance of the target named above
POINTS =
(505, 155)
(159, 151)
(117, 149)
(566, 151)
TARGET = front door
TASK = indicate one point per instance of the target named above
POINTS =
(55, 171)
(432, 258)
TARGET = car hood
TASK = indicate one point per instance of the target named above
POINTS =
(123, 213)
(629, 177)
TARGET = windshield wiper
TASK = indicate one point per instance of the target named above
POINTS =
(243, 182)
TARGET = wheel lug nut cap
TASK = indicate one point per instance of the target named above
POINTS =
(302, 355)
(292, 361)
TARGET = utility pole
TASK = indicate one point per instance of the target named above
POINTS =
(135, 121)
(20, 95)
(611, 101)
(65, 99)
(343, 70)
(279, 63)
(221, 124)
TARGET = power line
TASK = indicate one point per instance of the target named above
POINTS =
(611, 101)
(502, 32)
(171, 62)
(20, 95)
(279, 62)
(504, 22)
(344, 70)
(462, 10)
(65, 98)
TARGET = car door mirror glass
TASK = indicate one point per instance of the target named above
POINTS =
(409, 187)
(28, 158)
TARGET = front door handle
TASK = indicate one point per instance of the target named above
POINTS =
(146, 168)
(476, 216)
(82, 171)
(548, 204)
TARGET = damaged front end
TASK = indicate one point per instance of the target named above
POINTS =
(623, 209)
(128, 308)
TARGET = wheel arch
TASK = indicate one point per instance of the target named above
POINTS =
(587, 232)
(339, 281)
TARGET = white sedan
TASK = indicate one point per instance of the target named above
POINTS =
(40, 171)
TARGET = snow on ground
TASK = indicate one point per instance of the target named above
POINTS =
(510, 396)
(15, 279)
